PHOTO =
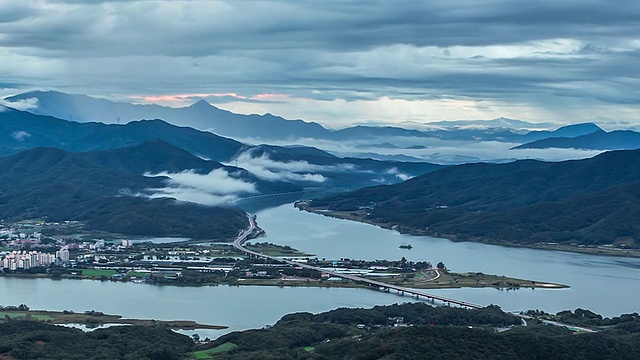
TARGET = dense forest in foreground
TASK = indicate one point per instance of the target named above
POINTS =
(419, 331)
(406, 331)
(28, 339)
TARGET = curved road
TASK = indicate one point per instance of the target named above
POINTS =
(243, 236)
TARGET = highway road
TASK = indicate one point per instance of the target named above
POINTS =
(242, 237)
(275, 195)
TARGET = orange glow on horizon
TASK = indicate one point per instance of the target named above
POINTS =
(181, 98)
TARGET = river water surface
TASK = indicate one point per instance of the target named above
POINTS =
(607, 285)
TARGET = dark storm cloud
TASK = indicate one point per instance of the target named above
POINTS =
(16, 11)
(508, 51)
(335, 26)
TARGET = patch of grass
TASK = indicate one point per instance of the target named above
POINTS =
(202, 354)
(22, 315)
(209, 353)
(97, 272)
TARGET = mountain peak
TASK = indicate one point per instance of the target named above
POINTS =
(582, 126)
(202, 103)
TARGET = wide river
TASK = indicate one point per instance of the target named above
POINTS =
(607, 285)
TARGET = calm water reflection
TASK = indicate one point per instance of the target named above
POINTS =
(607, 285)
(237, 307)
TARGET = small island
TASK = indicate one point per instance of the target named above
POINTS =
(425, 278)
(92, 318)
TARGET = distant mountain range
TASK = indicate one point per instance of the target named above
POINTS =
(591, 201)
(201, 115)
(499, 123)
(596, 140)
(569, 131)
(26, 131)
(204, 116)
(127, 178)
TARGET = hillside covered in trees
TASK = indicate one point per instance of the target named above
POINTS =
(406, 331)
(107, 195)
(419, 331)
(590, 202)
(24, 339)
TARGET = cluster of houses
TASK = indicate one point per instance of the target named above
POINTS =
(28, 248)
(16, 238)
(23, 259)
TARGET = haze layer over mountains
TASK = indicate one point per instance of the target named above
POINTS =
(173, 165)
(445, 142)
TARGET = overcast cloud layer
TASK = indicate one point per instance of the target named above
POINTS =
(336, 62)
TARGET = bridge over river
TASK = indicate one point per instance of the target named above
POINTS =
(275, 195)
(238, 244)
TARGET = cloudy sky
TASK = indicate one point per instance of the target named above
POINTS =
(336, 62)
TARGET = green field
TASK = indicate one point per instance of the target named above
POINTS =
(208, 354)
(23, 315)
(97, 272)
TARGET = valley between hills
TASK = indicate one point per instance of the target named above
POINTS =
(319, 180)
(81, 191)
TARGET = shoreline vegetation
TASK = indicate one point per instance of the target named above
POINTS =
(447, 280)
(429, 278)
(360, 216)
(94, 319)
(411, 330)
(191, 269)
(377, 332)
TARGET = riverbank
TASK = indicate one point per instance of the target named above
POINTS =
(94, 319)
(360, 216)
(426, 279)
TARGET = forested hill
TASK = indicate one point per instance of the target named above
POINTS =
(57, 185)
(28, 340)
(591, 201)
(419, 331)
(598, 140)
(311, 167)
(158, 156)
(406, 331)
